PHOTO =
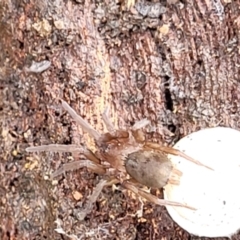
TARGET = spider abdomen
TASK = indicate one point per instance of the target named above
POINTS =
(149, 168)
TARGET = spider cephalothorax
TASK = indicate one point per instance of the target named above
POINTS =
(134, 160)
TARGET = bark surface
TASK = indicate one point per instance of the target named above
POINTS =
(175, 63)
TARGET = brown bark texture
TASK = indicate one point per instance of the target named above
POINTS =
(175, 63)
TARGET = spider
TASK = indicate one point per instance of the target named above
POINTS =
(125, 157)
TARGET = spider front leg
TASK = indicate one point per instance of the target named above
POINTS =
(174, 152)
(151, 198)
(107, 121)
(84, 124)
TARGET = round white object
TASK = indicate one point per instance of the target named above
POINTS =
(215, 194)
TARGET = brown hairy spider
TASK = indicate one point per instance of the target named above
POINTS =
(125, 157)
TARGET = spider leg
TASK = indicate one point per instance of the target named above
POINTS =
(140, 124)
(91, 156)
(107, 121)
(152, 198)
(55, 148)
(64, 148)
(174, 152)
(93, 163)
(97, 168)
(92, 199)
(84, 124)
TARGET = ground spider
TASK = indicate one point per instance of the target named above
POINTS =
(125, 156)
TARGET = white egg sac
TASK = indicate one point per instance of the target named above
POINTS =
(215, 194)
